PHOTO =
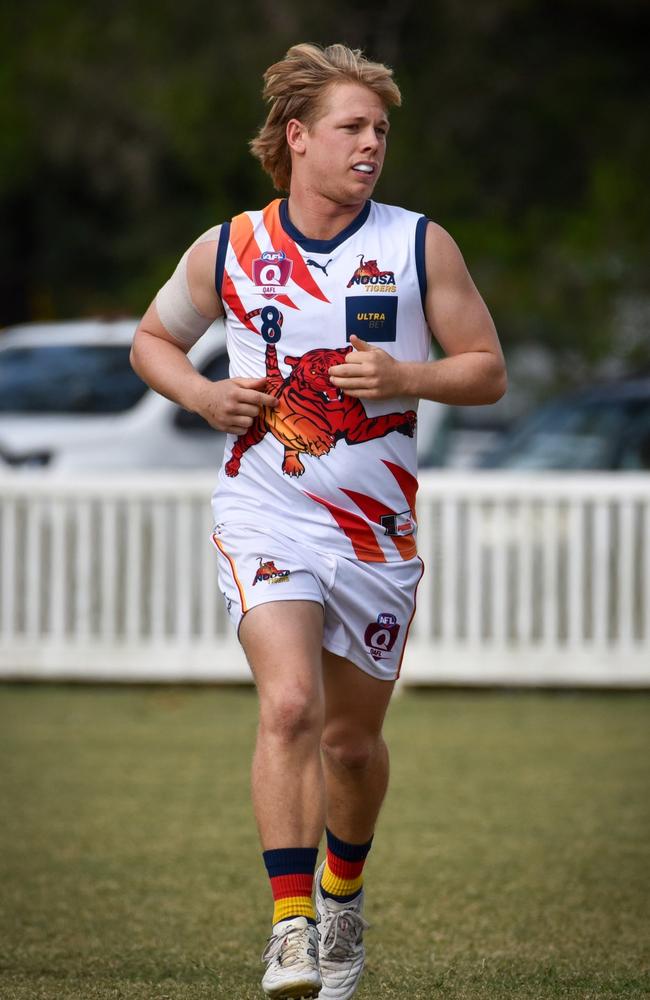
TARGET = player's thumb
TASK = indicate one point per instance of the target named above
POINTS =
(359, 344)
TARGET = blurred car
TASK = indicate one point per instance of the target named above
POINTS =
(605, 427)
(69, 400)
(458, 443)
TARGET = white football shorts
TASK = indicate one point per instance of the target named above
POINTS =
(368, 607)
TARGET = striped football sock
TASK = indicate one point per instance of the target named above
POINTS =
(342, 877)
(291, 871)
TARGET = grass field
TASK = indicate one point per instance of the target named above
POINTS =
(512, 858)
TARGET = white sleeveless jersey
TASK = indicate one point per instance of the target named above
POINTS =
(323, 468)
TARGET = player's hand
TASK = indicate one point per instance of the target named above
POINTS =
(232, 404)
(367, 372)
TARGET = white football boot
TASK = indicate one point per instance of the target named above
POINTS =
(292, 961)
(341, 951)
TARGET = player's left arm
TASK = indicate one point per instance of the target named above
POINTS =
(472, 371)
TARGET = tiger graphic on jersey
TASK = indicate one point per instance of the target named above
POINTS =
(312, 414)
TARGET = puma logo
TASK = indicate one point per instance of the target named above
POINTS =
(321, 267)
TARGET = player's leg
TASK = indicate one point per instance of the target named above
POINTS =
(367, 622)
(282, 641)
(356, 766)
(367, 619)
(355, 761)
(355, 755)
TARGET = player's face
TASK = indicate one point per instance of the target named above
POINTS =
(345, 148)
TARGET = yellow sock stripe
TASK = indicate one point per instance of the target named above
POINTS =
(337, 886)
(293, 906)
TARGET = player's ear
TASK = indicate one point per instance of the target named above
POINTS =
(295, 133)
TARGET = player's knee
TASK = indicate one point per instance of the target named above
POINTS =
(351, 751)
(291, 717)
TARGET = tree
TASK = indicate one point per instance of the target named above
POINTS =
(522, 132)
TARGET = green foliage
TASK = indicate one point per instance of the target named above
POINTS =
(523, 132)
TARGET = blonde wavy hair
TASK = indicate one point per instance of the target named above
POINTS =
(295, 88)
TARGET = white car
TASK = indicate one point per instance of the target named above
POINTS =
(69, 400)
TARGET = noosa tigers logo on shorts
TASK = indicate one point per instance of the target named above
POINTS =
(268, 572)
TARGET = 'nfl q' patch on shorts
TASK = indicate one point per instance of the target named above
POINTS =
(367, 607)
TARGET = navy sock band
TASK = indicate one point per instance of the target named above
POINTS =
(348, 852)
(287, 860)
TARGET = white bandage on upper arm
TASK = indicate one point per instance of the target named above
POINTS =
(178, 313)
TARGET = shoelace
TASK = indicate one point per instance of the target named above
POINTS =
(342, 933)
(291, 942)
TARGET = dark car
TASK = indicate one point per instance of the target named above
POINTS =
(605, 426)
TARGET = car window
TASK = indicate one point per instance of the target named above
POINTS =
(68, 378)
(635, 451)
(215, 369)
(572, 435)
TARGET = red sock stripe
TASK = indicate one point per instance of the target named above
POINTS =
(283, 886)
(344, 869)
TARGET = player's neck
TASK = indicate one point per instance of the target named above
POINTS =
(320, 218)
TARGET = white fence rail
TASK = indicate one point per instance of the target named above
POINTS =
(534, 579)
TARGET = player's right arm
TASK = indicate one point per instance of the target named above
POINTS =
(180, 314)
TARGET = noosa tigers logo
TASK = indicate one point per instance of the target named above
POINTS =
(369, 273)
(268, 572)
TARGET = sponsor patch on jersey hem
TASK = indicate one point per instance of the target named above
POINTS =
(398, 524)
